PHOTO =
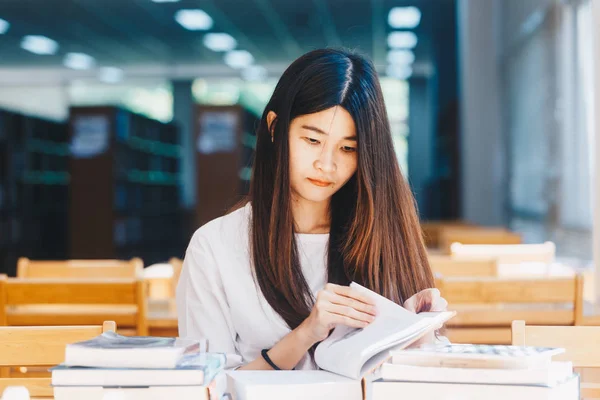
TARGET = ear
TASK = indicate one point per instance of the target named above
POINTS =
(271, 116)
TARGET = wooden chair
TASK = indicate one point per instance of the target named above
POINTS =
(486, 307)
(506, 253)
(432, 229)
(162, 285)
(476, 236)
(447, 266)
(80, 269)
(580, 344)
(33, 302)
(40, 346)
(158, 279)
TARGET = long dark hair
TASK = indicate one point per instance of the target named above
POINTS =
(375, 236)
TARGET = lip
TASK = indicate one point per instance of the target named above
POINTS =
(319, 183)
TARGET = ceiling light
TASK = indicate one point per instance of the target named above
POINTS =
(533, 22)
(4, 25)
(404, 17)
(238, 59)
(400, 57)
(165, 1)
(39, 44)
(399, 71)
(78, 61)
(254, 73)
(110, 74)
(219, 41)
(402, 40)
(194, 20)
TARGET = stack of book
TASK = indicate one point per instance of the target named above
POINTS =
(148, 368)
(468, 372)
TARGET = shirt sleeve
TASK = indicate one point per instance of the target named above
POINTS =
(202, 308)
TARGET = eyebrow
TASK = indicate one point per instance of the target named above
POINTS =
(322, 132)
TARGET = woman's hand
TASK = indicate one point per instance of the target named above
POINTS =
(423, 301)
(426, 300)
(334, 305)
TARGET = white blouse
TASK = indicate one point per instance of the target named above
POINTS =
(218, 299)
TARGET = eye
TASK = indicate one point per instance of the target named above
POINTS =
(312, 141)
(348, 149)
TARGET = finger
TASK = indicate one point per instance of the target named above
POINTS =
(349, 312)
(422, 301)
(351, 322)
(425, 300)
(353, 303)
(439, 304)
(411, 304)
(418, 302)
(352, 293)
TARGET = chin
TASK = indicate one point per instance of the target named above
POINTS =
(317, 195)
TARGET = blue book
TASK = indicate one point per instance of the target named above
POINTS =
(111, 350)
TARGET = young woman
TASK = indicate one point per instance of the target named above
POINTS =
(328, 205)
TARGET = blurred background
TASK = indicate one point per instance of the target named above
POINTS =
(127, 124)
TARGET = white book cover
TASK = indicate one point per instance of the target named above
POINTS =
(292, 385)
(555, 373)
(477, 356)
(355, 352)
(150, 393)
(388, 390)
(216, 390)
(110, 350)
(192, 369)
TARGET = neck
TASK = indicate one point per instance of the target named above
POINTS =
(311, 217)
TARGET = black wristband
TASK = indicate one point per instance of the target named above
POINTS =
(264, 355)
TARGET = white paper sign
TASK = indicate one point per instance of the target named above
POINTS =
(90, 136)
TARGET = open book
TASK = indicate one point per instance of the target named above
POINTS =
(355, 352)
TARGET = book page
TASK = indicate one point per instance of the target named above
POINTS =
(347, 349)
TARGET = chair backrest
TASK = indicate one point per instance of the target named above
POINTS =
(506, 253)
(432, 229)
(494, 301)
(447, 266)
(31, 302)
(40, 346)
(580, 344)
(80, 269)
(159, 277)
(476, 235)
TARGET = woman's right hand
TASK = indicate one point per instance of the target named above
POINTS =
(334, 305)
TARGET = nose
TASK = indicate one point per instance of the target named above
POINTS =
(326, 161)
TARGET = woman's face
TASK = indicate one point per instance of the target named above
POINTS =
(323, 153)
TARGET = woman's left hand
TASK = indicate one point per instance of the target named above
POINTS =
(426, 300)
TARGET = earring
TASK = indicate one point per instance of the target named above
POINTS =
(272, 139)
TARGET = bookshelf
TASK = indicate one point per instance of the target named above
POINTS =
(124, 198)
(34, 181)
(224, 144)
